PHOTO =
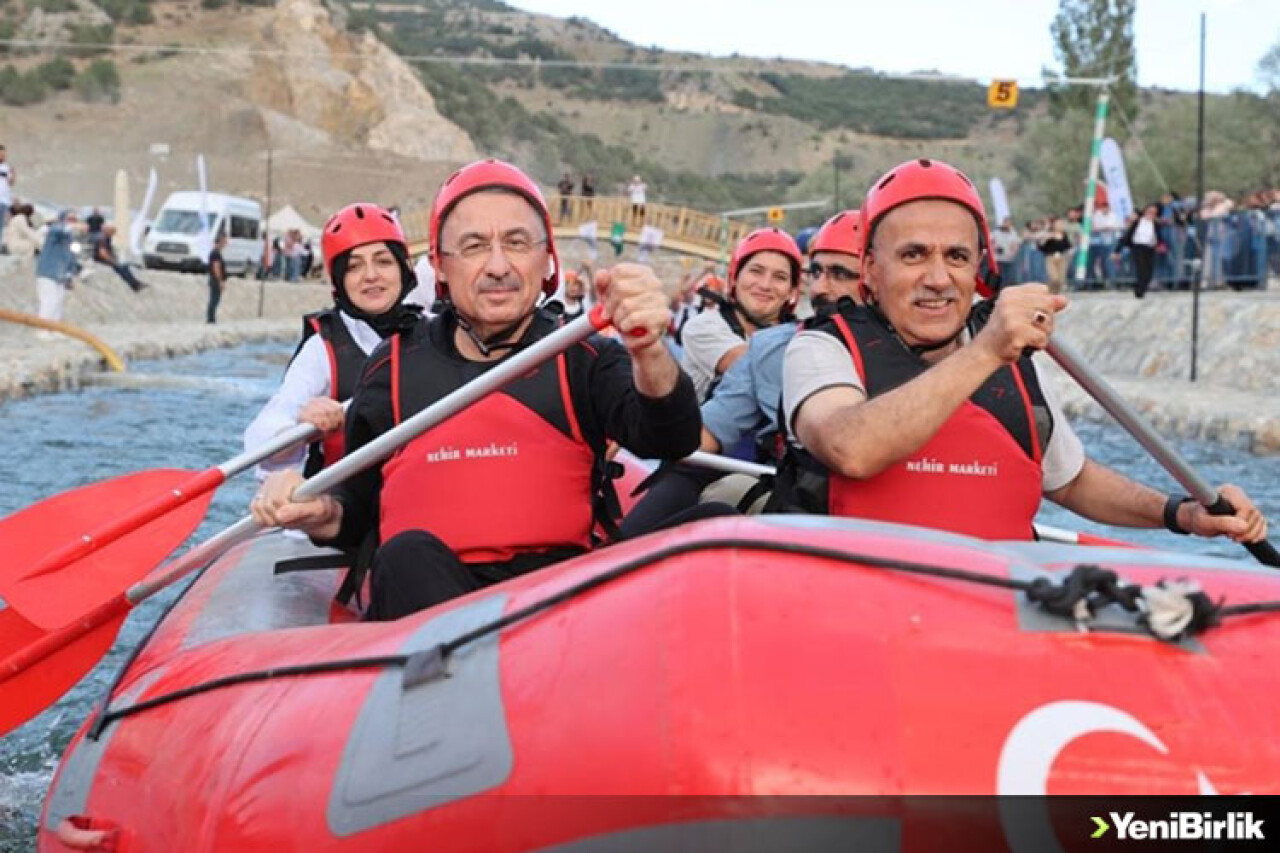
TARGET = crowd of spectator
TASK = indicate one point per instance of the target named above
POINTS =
(1155, 247)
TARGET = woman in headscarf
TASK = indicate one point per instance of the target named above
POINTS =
(367, 259)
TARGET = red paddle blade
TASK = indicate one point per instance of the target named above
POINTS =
(36, 688)
(53, 599)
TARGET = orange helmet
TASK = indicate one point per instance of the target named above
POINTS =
(767, 240)
(357, 225)
(486, 175)
(916, 180)
(841, 233)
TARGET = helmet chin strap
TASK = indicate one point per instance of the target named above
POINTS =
(497, 342)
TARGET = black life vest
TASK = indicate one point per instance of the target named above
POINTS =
(346, 361)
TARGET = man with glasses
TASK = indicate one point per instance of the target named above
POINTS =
(516, 481)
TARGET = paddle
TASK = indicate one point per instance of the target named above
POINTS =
(69, 553)
(85, 634)
(1169, 459)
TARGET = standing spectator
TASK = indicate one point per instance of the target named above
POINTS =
(21, 236)
(1172, 231)
(1006, 242)
(277, 257)
(1142, 238)
(637, 190)
(1056, 247)
(565, 188)
(7, 179)
(217, 277)
(104, 253)
(292, 255)
(1214, 211)
(308, 258)
(55, 269)
(1102, 242)
(588, 193)
(94, 221)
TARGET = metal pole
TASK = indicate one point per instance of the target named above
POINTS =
(1198, 281)
(835, 168)
(1086, 226)
(263, 267)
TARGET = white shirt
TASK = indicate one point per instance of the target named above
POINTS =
(6, 187)
(306, 378)
(705, 339)
(637, 190)
(816, 361)
(1144, 233)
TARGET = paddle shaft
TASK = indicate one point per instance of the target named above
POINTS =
(199, 484)
(1137, 426)
(353, 463)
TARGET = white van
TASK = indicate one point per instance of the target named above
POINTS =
(176, 240)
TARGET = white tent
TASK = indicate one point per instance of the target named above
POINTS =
(287, 219)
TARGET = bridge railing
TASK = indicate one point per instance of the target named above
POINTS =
(684, 230)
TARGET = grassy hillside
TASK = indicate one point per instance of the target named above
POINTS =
(737, 132)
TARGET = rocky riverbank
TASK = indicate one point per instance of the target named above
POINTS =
(1141, 347)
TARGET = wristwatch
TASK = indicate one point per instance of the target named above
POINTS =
(1171, 513)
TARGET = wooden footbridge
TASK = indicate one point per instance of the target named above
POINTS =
(684, 230)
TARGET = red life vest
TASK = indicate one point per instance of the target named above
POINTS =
(346, 361)
(511, 474)
(979, 475)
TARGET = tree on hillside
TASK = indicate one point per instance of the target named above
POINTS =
(1094, 38)
(1269, 69)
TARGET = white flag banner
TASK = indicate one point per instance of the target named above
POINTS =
(590, 232)
(650, 239)
(138, 227)
(1112, 162)
(999, 201)
(205, 240)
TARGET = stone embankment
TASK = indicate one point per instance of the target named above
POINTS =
(1141, 347)
(164, 320)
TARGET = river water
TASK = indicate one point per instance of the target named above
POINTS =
(190, 413)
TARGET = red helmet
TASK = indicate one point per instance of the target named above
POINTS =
(841, 233)
(357, 225)
(484, 175)
(767, 240)
(921, 179)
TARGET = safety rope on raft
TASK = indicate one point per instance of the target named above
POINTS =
(1170, 610)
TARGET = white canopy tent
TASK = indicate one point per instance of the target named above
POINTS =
(287, 219)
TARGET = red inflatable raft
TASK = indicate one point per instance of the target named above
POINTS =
(713, 663)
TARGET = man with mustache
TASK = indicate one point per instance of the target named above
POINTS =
(922, 408)
(516, 481)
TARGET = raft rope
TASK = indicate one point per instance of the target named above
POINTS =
(1170, 611)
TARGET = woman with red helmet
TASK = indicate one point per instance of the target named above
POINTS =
(367, 259)
(922, 408)
(518, 480)
(740, 419)
(764, 287)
